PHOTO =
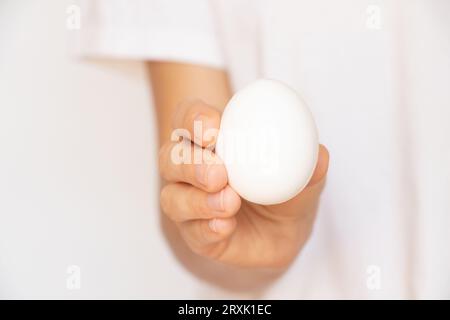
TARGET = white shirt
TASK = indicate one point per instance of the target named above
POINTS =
(376, 75)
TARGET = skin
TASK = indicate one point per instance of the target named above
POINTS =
(210, 216)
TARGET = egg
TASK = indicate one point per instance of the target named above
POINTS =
(268, 142)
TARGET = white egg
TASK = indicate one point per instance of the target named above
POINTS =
(268, 142)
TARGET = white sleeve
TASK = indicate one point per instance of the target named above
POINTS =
(168, 30)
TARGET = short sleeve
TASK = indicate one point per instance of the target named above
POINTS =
(168, 30)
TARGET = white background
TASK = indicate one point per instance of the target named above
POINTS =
(78, 177)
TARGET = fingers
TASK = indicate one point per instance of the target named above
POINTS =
(198, 200)
(202, 218)
(321, 167)
(182, 202)
(208, 173)
(191, 114)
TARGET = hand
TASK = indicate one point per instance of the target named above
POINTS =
(215, 222)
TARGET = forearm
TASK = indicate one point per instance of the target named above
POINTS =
(209, 214)
(175, 82)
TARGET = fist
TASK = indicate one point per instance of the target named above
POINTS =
(211, 217)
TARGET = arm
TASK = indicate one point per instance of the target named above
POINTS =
(210, 216)
(174, 82)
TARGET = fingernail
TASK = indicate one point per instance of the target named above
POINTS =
(215, 201)
(201, 174)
